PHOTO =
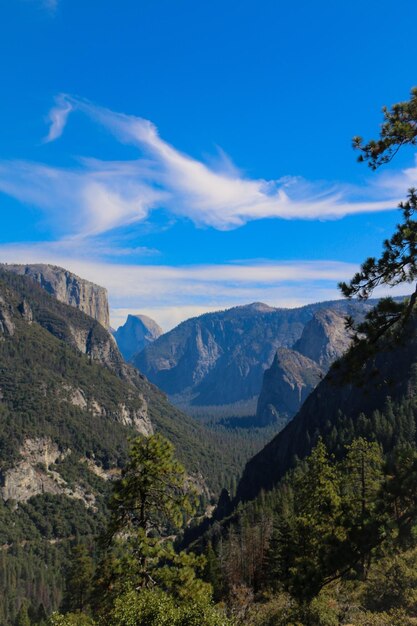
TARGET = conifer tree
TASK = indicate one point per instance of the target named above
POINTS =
(398, 261)
(23, 618)
(152, 500)
(306, 539)
(79, 579)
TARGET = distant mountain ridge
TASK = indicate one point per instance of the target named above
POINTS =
(220, 358)
(136, 333)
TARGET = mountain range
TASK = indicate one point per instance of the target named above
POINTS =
(69, 402)
(219, 359)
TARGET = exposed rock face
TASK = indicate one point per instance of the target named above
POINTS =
(286, 384)
(219, 358)
(324, 338)
(295, 373)
(6, 322)
(137, 332)
(34, 476)
(122, 413)
(68, 288)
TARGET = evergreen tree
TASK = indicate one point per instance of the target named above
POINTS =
(152, 498)
(307, 534)
(79, 580)
(362, 475)
(23, 618)
(362, 479)
(398, 262)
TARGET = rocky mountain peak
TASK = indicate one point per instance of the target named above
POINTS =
(295, 373)
(286, 384)
(324, 338)
(137, 332)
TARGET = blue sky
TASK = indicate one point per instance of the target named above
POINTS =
(191, 155)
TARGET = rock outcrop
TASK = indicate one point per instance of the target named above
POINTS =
(325, 338)
(295, 373)
(137, 332)
(286, 384)
(33, 474)
(6, 322)
(68, 288)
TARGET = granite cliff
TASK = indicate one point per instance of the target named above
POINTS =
(137, 332)
(325, 338)
(295, 373)
(68, 288)
(286, 384)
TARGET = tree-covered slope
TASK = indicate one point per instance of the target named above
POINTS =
(68, 404)
(72, 342)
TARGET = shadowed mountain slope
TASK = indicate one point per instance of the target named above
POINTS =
(379, 401)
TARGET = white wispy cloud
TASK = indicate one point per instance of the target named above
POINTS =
(58, 115)
(101, 196)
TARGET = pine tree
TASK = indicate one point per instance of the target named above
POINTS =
(152, 498)
(362, 472)
(309, 533)
(23, 618)
(398, 261)
(79, 579)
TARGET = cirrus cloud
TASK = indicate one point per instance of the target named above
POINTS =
(103, 195)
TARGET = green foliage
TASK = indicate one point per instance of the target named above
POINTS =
(316, 525)
(398, 262)
(152, 494)
(339, 538)
(157, 608)
(23, 618)
(152, 498)
(392, 583)
(79, 579)
(70, 619)
(398, 129)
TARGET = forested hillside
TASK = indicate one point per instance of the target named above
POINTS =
(68, 405)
